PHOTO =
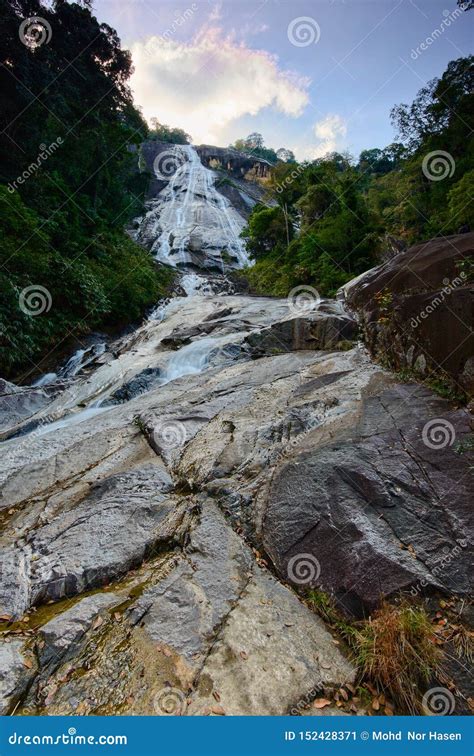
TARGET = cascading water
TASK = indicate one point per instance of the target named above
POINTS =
(191, 226)
(190, 222)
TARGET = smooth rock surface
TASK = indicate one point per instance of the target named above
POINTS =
(15, 675)
(417, 309)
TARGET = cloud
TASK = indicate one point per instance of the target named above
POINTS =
(206, 84)
(330, 133)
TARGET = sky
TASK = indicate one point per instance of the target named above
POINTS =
(313, 76)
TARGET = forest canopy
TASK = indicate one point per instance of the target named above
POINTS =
(69, 181)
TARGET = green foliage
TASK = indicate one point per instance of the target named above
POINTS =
(110, 286)
(163, 133)
(254, 145)
(69, 160)
(461, 202)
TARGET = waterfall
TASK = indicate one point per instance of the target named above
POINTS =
(190, 223)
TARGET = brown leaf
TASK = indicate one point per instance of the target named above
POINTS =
(244, 655)
(376, 704)
(27, 663)
(6, 617)
(344, 694)
(97, 622)
(320, 703)
(217, 709)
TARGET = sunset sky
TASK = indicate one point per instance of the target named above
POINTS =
(312, 76)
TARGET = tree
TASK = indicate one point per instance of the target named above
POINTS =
(441, 104)
(69, 101)
(163, 133)
(286, 156)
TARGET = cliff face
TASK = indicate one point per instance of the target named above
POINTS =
(236, 164)
(239, 164)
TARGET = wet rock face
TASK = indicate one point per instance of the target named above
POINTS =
(188, 223)
(417, 309)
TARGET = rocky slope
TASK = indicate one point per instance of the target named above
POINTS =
(166, 508)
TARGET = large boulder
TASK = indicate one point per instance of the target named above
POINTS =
(416, 310)
(383, 507)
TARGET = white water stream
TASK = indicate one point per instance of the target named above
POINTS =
(190, 222)
(190, 225)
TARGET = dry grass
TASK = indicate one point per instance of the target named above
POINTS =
(394, 649)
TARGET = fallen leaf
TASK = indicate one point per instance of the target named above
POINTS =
(6, 617)
(320, 703)
(244, 655)
(216, 709)
(376, 704)
(27, 663)
(97, 623)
